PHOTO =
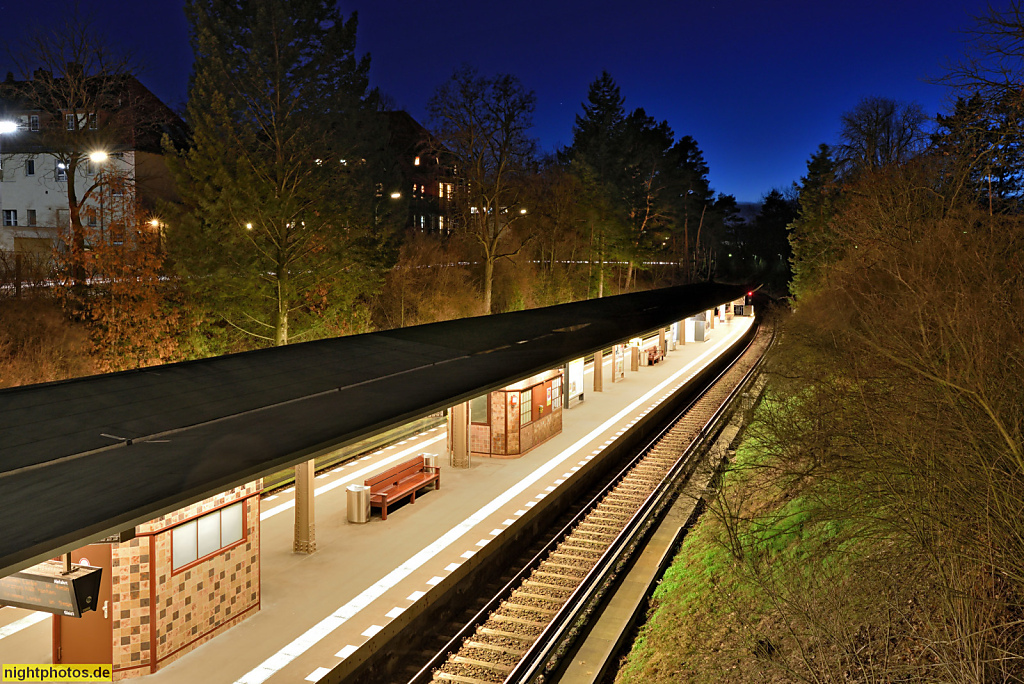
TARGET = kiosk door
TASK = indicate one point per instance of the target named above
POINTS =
(87, 639)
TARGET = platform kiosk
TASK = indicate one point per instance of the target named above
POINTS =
(509, 422)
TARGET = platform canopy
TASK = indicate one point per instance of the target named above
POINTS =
(83, 459)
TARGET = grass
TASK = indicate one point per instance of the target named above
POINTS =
(716, 615)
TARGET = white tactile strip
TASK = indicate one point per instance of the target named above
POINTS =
(317, 674)
(322, 629)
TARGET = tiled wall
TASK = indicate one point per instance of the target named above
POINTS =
(189, 607)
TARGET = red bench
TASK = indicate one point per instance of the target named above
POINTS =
(403, 480)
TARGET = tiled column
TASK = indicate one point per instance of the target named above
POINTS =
(305, 529)
(634, 356)
(458, 435)
(662, 344)
(599, 369)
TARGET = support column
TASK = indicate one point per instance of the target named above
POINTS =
(634, 355)
(599, 370)
(458, 435)
(682, 331)
(662, 344)
(714, 315)
(305, 529)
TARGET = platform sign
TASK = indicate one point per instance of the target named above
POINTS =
(44, 587)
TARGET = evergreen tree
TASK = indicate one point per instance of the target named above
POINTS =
(277, 233)
(596, 156)
(811, 238)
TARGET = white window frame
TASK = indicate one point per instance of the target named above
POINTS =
(207, 535)
(11, 217)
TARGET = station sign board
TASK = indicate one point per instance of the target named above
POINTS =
(45, 587)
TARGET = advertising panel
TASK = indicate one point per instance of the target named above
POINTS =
(575, 379)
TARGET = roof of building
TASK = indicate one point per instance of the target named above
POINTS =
(85, 458)
(139, 118)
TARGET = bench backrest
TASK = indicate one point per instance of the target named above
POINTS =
(394, 475)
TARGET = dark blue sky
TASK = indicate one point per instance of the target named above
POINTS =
(758, 83)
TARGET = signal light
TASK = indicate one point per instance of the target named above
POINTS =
(750, 294)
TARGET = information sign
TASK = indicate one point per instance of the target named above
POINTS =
(44, 587)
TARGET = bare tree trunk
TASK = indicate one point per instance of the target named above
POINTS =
(281, 315)
(77, 231)
(488, 281)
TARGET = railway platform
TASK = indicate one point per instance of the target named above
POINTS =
(320, 609)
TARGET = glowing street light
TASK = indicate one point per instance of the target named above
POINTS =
(99, 156)
(248, 226)
(523, 210)
(396, 195)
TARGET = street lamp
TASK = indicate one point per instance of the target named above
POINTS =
(99, 156)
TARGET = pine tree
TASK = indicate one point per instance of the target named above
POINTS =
(811, 238)
(278, 226)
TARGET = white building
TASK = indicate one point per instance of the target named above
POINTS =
(34, 174)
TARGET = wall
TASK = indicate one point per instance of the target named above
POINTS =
(175, 612)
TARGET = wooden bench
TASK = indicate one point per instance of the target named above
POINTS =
(654, 355)
(401, 481)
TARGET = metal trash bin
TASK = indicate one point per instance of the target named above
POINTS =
(358, 497)
(430, 461)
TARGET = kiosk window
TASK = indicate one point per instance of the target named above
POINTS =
(525, 407)
(207, 534)
(478, 409)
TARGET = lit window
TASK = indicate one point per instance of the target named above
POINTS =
(10, 217)
(416, 162)
(207, 535)
(30, 167)
(61, 171)
(525, 407)
(556, 391)
(440, 223)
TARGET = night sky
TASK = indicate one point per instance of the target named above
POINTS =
(758, 83)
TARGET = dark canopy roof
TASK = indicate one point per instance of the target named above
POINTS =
(85, 458)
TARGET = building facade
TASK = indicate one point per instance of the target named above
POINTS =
(109, 157)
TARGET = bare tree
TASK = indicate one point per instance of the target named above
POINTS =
(880, 132)
(482, 125)
(88, 103)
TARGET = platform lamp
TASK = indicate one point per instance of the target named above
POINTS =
(5, 128)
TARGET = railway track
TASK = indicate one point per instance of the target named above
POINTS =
(517, 629)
